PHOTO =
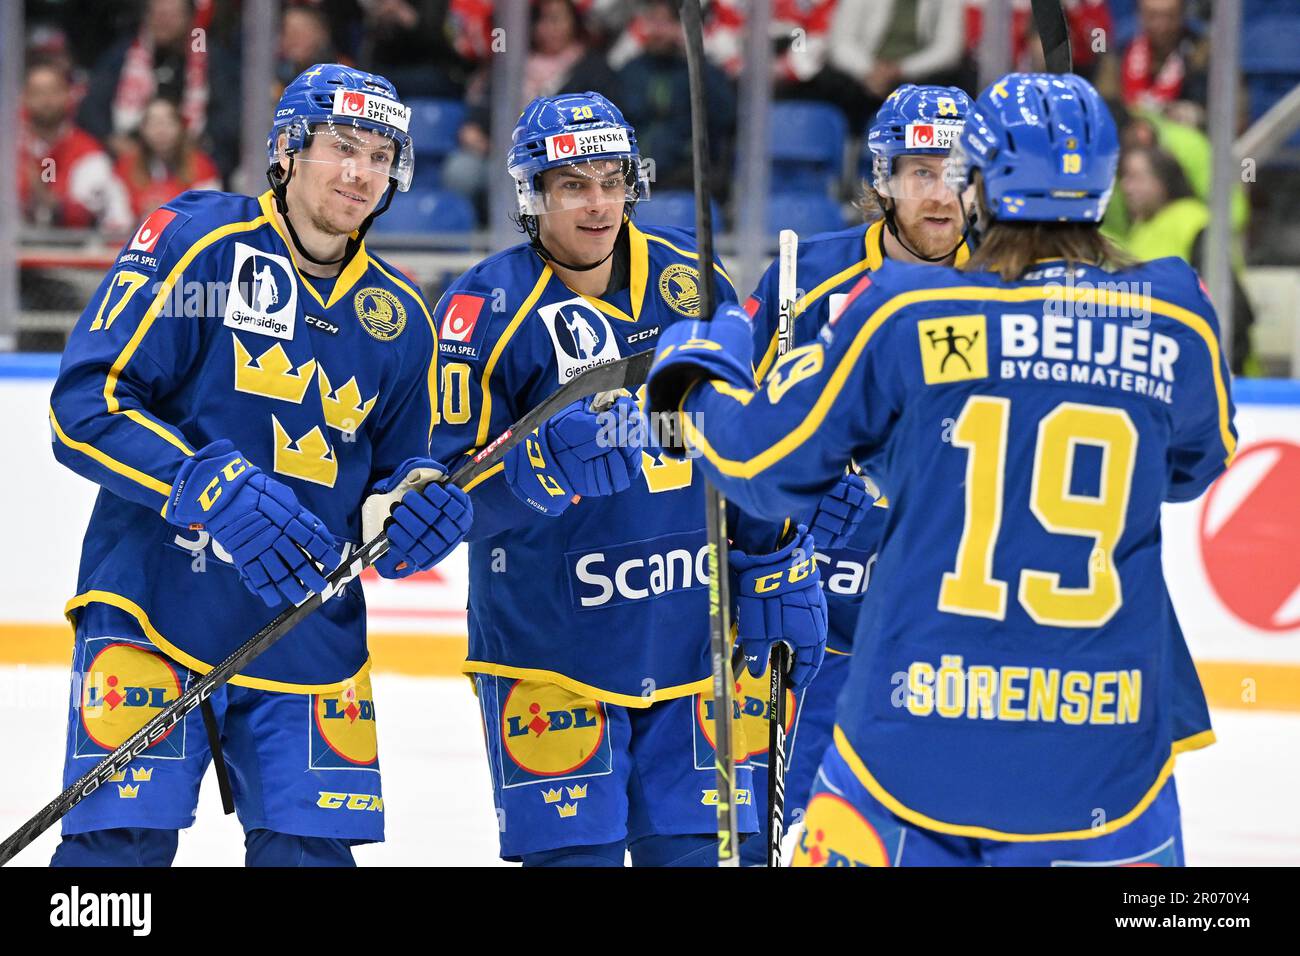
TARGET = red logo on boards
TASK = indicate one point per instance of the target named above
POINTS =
(146, 237)
(461, 317)
(1250, 536)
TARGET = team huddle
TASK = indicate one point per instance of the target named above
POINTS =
(944, 499)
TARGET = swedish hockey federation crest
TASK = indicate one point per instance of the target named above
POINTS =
(380, 312)
(680, 287)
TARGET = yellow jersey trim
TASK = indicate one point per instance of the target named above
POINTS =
(433, 330)
(846, 751)
(639, 266)
(750, 467)
(112, 464)
(343, 283)
(164, 291)
(689, 255)
(485, 413)
(495, 469)
(193, 663)
(587, 690)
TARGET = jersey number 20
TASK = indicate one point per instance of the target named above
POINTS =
(982, 430)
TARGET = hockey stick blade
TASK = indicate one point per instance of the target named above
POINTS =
(629, 373)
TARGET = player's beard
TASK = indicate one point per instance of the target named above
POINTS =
(931, 242)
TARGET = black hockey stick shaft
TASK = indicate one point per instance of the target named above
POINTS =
(715, 504)
(629, 373)
(1054, 34)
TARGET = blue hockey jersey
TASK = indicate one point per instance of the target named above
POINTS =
(609, 599)
(1020, 673)
(827, 268)
(205, 329)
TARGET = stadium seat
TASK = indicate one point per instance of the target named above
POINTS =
(805, 213)
(673, 208)
(1268, 45)
(806, 143)
(427, 211)
(435, 125)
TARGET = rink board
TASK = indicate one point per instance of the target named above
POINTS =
(1232, 558)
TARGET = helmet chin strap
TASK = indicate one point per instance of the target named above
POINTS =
(974, 229)
(280, 188)
(534, 231)
(892, 225)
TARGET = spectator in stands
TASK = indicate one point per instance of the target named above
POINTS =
(561, 59)
(170, 56)
(653, 91)
(1087, 21)
(65, 177)
(409, 42)
(1164, 67)
(1169, 220)
(162, 161)
(875, 45)
(304, 41)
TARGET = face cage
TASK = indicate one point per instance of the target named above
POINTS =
(300, 134)
(534, 202)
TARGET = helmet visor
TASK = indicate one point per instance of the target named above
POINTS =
(361, 151)
(916, 177)
(596, 182)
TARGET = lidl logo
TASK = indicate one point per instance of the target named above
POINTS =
(704, 729)
(954, 348)
(836, 834)
(753, 698)
(343, 728)
(548, 731)
(123, 685)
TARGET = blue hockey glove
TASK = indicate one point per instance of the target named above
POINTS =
(840, 511)
(274, 542)
(690, 351)
(423, 524)
(578, 452)
(779, 599)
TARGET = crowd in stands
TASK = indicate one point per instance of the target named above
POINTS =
(144, 100)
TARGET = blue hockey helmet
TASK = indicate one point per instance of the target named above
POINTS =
(572, 129)
(331, 97)
(915, 121)
(1045, 145)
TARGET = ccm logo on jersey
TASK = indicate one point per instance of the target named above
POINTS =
(639, 570)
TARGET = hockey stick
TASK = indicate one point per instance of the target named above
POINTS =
(1054, 34)
(629, 373)
(779, 664)
(715, 504)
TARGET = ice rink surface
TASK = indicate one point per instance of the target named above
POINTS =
(1238, 797)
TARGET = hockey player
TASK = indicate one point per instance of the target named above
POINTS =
(912, 217)
(245, 377)
(1020, 688)
(588, 616)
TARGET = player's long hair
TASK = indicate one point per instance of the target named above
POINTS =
(1011, 248)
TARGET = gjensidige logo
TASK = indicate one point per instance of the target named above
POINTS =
(76, 909)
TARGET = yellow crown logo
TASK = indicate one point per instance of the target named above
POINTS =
(272, 375)
(127, 791)
(118, 777)
(313, 460)
(578, 792)
(568, 810)
(344, 408)
(141, 774)
(552, 796)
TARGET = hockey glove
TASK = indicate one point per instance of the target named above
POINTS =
(275, 543)
(578, 452)
(779, 599)
(424, 520)
(840, 511)
(689, 351)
